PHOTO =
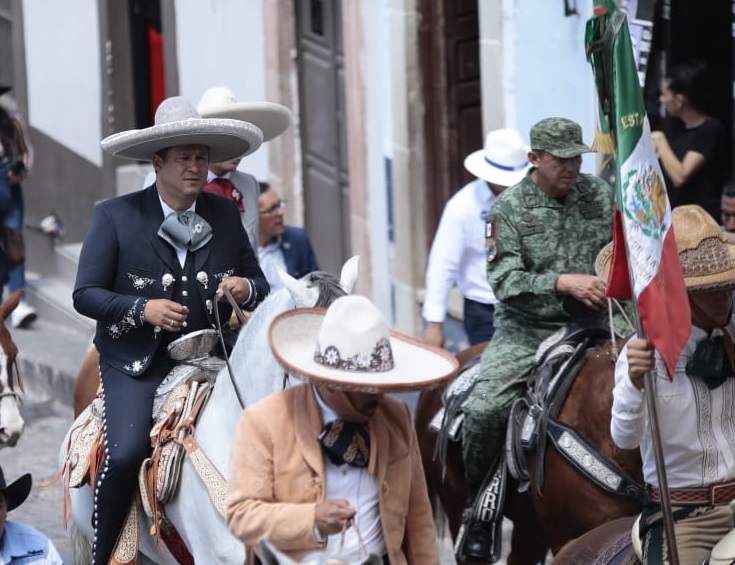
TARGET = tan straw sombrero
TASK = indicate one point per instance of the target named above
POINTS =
(219, 102)
(706, 253)
(349, 346)
(178, 123)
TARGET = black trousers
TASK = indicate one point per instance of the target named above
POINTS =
(128, 406)
(479, 321)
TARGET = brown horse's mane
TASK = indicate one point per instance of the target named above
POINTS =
(569, 505)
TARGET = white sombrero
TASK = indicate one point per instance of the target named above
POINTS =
(706, 253)
(178, 123)
(503, 160)
(349, 346)
(219, 102)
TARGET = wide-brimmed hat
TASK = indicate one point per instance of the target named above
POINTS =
(178, 123)
(17, 491)
(220, 102)
(559, 136)
(502, 161)
(349, 346)
(706, 253)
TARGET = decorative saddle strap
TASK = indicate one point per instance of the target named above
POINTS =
(126, 548)
(84, 453)
(159, 474)
(213, 481)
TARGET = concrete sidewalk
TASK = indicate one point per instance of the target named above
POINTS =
(49, 357)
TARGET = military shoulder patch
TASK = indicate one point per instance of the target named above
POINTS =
(491, 249)
(489, 228)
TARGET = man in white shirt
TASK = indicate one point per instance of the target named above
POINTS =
(458, 255)
(695, 409)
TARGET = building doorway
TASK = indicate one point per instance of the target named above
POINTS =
(323, 129)
(449, 43)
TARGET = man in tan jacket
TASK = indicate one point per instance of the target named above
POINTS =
(334, 464)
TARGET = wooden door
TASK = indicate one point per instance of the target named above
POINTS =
(323, 129)
(450, 65)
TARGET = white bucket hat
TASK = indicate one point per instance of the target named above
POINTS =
(178, 123)
(349, 346)
(220, 102)
(503, 160)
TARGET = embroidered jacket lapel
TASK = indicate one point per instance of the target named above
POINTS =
(307, 425)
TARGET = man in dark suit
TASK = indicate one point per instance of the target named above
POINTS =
(153, 267)
(287, 247)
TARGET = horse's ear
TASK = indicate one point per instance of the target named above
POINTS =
(296, 288)
(348, 277)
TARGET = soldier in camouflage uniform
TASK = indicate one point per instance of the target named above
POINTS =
(542, 237)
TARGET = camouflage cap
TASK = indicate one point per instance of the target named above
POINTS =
(558, 136)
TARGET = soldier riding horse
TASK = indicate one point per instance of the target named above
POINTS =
(565, 474)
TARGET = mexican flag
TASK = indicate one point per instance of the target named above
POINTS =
(645, 256)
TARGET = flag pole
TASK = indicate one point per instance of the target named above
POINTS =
(649, 388)
(648, 378)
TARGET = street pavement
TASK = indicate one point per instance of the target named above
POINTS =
(48, 359)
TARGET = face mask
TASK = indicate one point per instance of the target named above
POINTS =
(711, 362)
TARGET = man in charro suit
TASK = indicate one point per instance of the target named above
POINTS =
(153, 267)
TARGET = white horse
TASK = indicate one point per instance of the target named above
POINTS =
(11, 421)
(257, 374)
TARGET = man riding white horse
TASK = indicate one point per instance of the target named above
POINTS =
(153, 267)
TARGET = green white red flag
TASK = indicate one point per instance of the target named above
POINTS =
(645, 258)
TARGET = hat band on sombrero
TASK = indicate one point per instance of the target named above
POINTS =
(710, 257)
(379, 360)
(506, 167)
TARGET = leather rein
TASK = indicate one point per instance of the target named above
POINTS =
(241, 318)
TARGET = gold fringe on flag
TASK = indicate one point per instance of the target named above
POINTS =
(603, 143)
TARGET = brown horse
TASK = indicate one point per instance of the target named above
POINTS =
(569, 504)
(608, 544)
(87, 381)
(11, 387)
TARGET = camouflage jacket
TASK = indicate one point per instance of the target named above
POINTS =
(532, 238)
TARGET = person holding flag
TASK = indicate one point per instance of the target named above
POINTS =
(695, 409)
(644, 260)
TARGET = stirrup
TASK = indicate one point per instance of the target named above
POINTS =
(487, 509)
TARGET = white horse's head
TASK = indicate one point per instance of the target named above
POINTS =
(11, 421)
(307, 290)
(257, 372)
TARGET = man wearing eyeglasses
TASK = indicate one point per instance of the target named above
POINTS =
(279, 245)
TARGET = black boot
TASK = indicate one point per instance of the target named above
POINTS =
(478, 543)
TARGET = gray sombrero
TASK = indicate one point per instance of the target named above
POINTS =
(178, 123)
(219, 102)
(349, 346)
(706, 253)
